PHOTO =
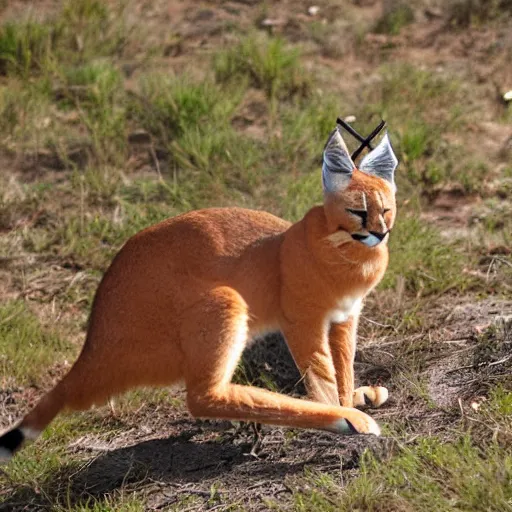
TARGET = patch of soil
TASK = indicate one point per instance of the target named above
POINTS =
(476, 366)
(451, 210)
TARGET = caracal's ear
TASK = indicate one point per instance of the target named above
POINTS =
(337, 166)
(381, 161)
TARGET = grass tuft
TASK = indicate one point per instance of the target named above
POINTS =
(395, 18)
(27, 47)
(268, 64)
(83, 29)
(27, 348)
(169, 106)
(92, 240)
(420, 257)
(96, 91)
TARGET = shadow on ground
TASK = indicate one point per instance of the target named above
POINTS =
(168, 470)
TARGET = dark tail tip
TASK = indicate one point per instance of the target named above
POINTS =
(10, 442)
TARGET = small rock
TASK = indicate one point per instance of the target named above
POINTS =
(269, 22)
(44, 123)
(433, 13)
(508, 96)
(139, 137)
(480, 329)
(350, 119)
(477, 403)
(313, 10)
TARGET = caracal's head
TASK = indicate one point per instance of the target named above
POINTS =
(359, 202)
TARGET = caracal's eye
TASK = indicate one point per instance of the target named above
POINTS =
(362, 214)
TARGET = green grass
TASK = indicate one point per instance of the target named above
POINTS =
(464, 474)
(98, 186)
(92, 240)
(267, 64)
(418, 88)
(423, 259)
(17, 203)
(26, 48)
(496, 219)
(436, 476)
(100, 103)
(418, 140)
(421, 106)
(431, 474)
(191, 121)
(396, 17)
(28, 349)
(169, 106)
(82, 29)
(26, 117)
(97, 29)
(61, 59)
(110, 504)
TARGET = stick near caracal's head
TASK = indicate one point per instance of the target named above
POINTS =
(182, 298)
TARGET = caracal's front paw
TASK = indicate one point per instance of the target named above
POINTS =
(355, 422)
(370, 395)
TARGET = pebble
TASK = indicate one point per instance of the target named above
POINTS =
(139, 137)
(269, 22)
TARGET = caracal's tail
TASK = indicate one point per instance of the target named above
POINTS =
(78, 390)
(34, 423)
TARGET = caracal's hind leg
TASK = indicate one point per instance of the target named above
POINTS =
(213, 335)
(370, 395)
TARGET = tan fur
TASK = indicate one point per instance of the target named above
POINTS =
(376, 394)
(182, 298)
